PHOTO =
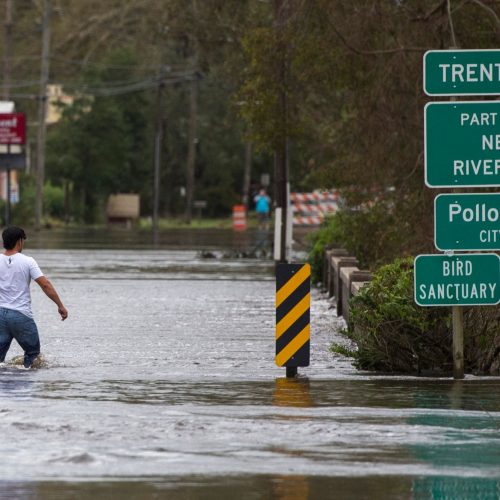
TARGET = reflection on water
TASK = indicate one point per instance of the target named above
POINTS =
(291, 488)
(250, 487)
(295, 392)
(456, 488)
(162, 384)
(245, 487)
(120, 238)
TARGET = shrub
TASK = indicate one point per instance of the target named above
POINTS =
(374, 232)
(53, 200)
(394, 334)
(327, 234)
(23, 213)
(482, 339)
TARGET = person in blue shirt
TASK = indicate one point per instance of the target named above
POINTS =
(263, 208)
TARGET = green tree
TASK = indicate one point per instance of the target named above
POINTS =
(100, 144)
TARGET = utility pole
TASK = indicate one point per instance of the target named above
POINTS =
(281, 163)
(281, 150)
(7, 50)
(7, 78)
(247, 175)
(192, 141)
(193, 118)
(157, 161)
(42, 113)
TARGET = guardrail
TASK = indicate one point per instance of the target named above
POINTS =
(342, 278)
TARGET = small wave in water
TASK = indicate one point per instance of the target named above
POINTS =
(18, 362)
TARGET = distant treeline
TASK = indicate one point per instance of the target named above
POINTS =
(340, 81)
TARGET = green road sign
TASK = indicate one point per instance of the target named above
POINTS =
(467, 221)
(462, 144)
(457, 280)
(462, 72)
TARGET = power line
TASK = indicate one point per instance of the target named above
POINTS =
(83, 62)
(115, 91)
(112, 84)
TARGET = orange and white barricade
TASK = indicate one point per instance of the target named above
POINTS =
(239, 218)
(309, 209)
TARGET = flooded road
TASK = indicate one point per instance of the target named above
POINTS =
(162, 384)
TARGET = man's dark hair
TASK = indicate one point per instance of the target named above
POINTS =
(11, 236)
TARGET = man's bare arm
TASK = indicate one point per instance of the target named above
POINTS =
(51, 293)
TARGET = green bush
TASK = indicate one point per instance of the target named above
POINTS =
(53, 201)
(23, 212)
(327, 234)
(394, 334)
(373, 233)
(482, 339)
(220, 201)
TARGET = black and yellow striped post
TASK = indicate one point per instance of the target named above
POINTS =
(293, 301)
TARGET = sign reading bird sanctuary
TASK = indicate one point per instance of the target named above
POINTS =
(462, 72)
(460, 279)
(462, 144)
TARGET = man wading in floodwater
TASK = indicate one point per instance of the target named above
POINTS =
(16, 318)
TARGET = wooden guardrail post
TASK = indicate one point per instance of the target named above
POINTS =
(329, 254)
(337, 264)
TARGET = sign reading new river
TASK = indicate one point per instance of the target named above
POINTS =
(467, 221)
(463, 279)
(462, 144)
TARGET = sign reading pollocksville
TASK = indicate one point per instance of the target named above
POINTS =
(467, 221)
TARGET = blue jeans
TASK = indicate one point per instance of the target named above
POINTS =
(16, 325)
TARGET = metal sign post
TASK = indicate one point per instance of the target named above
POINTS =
(7, 201)
(457, 314)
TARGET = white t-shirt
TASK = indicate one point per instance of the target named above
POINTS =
(16, 273)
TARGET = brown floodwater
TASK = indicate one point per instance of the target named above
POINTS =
(162, 384)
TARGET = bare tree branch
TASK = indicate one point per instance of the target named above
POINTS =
(431, 12)
(450, 22)
(372, 52)
(488, 9)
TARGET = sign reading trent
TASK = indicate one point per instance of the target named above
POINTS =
(463, 279)
(462, 72)
(462, 144)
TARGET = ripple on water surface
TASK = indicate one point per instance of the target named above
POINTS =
(172, 377)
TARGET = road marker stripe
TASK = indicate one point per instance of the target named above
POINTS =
(293, 346)
(293, 303)
(294, 282)
(293, 316)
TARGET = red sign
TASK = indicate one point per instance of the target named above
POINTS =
(12, 128)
